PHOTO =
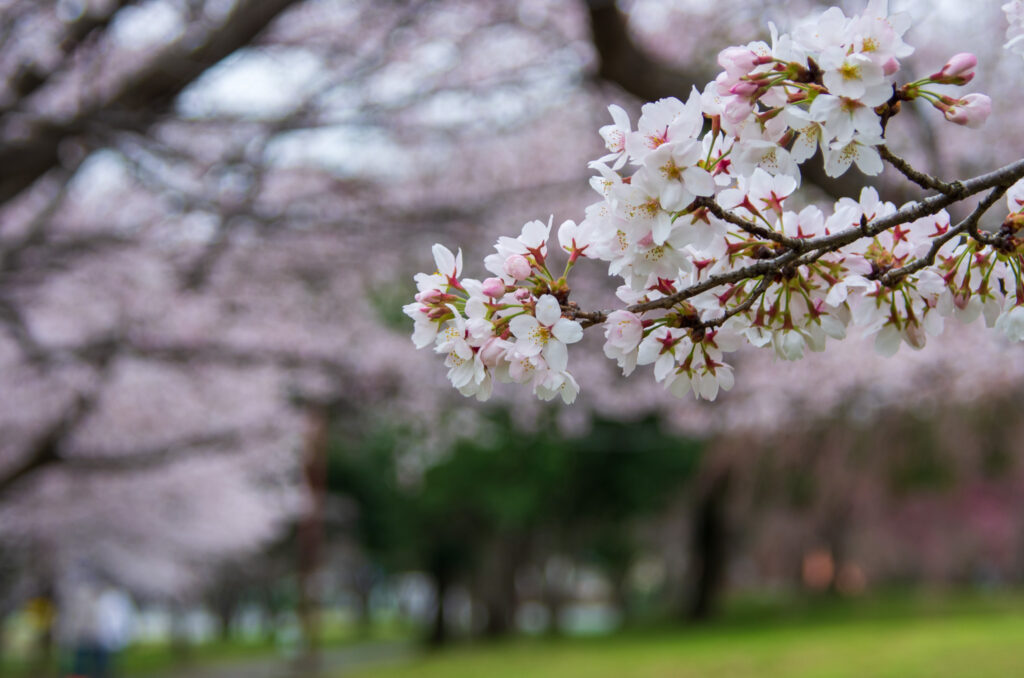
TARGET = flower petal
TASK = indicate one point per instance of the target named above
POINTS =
(444, 259)
(557, 355)
(567, 331)
(548, 311)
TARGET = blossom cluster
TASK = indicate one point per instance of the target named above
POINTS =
(693, 218)
(499, 328)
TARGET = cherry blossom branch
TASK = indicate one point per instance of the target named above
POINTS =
(823, 270)
(815, 248)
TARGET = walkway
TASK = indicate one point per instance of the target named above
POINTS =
(333, 663)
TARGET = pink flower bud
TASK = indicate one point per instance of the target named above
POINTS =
(972, 111)
(958, 70)
(429, 296)
(890, 66)
(744, 88)
(523, 295)
(493, 287)
(518, 267)
(738, 61)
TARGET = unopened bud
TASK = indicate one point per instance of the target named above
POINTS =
(737, 61)
(971, 111)
(429, 296)
(493, 287)
(518, 267)
(744, 88)
(958, 70)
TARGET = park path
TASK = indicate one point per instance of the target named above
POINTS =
(333, 662)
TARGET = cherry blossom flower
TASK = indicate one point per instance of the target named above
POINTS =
(623, 333)
(614, 136)
(972, 110)
(546, 333)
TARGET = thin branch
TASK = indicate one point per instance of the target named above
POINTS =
(755, 294)
(969, 224)
(753, 229)
(923, 180)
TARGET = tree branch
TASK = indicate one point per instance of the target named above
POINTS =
(149, 92)
(29, 79)
(45, 450)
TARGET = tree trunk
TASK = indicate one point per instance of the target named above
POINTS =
(311, 538)
(709, 549)
(497, 583)
(442, 580)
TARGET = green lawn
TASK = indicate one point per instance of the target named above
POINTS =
(971, 644)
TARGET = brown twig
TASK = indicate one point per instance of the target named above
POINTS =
(755, 294)
(751, 228)
(923, 180)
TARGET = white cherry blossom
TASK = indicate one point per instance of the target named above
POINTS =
(546, 333)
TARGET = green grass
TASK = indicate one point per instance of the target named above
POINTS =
(953, 640)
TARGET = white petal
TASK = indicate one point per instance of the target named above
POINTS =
(463, 350)
(619, 117)
(523, 326)
(570, 389)
(887, 342)
(567, 331)
(708, 387)
(664, 365)
(557, 355)
(868, 161)
(444, 259)
(699, 181)
(649, 350)
(548, 311)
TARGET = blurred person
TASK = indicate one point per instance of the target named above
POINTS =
(97, 625)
